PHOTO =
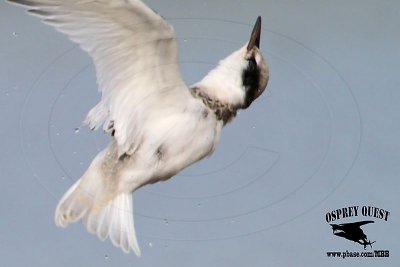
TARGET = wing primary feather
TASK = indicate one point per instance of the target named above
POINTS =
(40, 12)
(35, 3)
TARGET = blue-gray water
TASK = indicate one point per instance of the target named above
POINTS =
(324, 137)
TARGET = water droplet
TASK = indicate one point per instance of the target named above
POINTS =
(185, 40)
(77, 130)
(150, 244)
(15, 34)
(198, 205)
(165, 221)
(106, 257)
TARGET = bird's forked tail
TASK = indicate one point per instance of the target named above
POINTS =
(113, 219)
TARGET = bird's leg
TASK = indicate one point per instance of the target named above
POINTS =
(370, 243)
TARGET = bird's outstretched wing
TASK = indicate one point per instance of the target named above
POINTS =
(357, 224)
(135, 56)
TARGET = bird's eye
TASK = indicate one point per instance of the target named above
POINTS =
(252, 64)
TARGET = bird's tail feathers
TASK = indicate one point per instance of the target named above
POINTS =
(80, 198)
(104, 216)
(115, 221)
(72, 206)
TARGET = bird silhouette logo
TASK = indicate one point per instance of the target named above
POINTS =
(353, 232)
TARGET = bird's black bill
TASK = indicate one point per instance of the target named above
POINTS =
(255, 35)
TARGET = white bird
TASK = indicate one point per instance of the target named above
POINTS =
(159, 125)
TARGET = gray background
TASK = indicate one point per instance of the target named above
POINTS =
(324, 136)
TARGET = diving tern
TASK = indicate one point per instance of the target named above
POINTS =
(158, 123)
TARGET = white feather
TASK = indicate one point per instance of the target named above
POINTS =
(225, 82)
(105, 211)
(115, 220)
(64, 219)
(135, 56)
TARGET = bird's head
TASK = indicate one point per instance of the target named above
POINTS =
(240, 78)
